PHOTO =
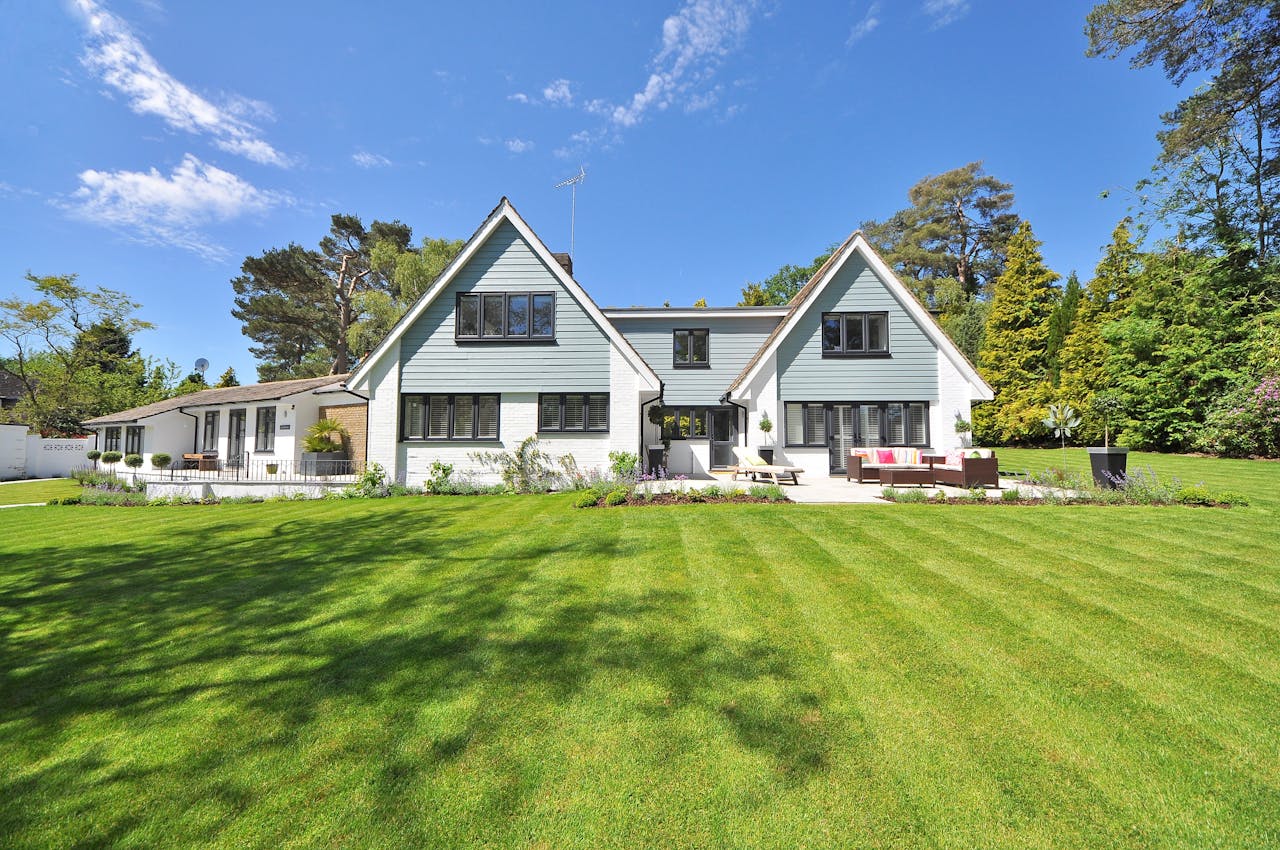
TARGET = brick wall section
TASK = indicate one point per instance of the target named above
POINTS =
(355, 418)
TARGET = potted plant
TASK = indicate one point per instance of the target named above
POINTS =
(1108, 462)
(111, 458)
(93, 456)
(766, 428)
(963, 428)
(324, 452)
(160, 461)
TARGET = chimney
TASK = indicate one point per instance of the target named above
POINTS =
(565, 261)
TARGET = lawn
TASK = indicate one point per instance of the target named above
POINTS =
(510, 672)
(36, 492)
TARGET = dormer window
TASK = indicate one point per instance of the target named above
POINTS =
(506, 316)
(691, 348)
(855, 334)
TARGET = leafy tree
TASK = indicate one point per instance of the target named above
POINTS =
(1083, 360)
(71, 348)
(1012, 357)
(957, 227)
(411, 272)
(300, 305)
(968, 326)
(228, 378)
(192, 383)
(779, 288)
(1060, 322)
(1220, 167)
(701, 302)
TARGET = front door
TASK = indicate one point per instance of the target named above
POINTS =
(724, 436)
(235, 445)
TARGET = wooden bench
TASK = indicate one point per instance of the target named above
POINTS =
(199, 460)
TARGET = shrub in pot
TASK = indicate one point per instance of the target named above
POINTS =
(133, 461)
(93, 456)
(323, 450)
(766, 428)
(111, 457)
(160, 460)
(1107, 462)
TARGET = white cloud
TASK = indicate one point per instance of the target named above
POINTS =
(694, 42)
(558, 93)
(519, 97)
(364, 159)
(116, 55)
(945, 12)
(519, 145)
(865, 26)
(155, 209)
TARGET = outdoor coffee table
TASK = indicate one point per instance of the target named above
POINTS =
(894, 475)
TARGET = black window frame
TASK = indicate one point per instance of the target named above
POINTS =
(676, 411)
(505, 336)
(825, 442)
(862, 317)
(689, 335)
(264, 441)
(133, 439)
(210, 416)
(111, 439)
(425, 400)
(586, 414)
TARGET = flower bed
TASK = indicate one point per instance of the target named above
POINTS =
(623, 495)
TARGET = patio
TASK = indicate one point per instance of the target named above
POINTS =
(836, 490)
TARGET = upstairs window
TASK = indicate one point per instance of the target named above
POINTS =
(855, 334)
(573, 412)
(506, 316)
(691, 348)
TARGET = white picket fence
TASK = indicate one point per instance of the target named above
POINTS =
(24, 455)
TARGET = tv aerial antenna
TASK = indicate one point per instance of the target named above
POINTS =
(573, 200)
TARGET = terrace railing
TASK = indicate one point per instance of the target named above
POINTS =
(258, 469)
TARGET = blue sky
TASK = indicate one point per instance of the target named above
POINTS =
(151, 144)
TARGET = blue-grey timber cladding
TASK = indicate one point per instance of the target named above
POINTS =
(731, 343)
(910, 373)
(432, 361)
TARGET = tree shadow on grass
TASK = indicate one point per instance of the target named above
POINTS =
(282, 629)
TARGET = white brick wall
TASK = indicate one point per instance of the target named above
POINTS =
(953, 401)
(384, 398)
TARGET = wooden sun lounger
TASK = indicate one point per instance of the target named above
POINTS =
(773, 474)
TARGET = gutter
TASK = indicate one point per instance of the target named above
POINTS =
(662, 388)
(195, 435)
(746, 422)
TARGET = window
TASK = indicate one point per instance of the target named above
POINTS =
(506, 316)
(687, 423)
(449, 417)
(854, 334)
(573, 412)
(264, 439)
(880, 424)
(111, 439)
(133, 440)
(209, 443)
(690, 348)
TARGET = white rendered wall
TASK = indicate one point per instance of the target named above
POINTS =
(13, 451)
(56, 457)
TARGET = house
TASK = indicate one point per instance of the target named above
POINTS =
(506, 344)
(243, 427)
(11, 389)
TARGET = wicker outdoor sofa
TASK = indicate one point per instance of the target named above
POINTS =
(966, 468)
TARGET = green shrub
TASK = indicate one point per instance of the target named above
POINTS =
(372, 484)
(1231, 498)
(111, 457)
(438, 478)
(160, 460)
(768, 492)
(405, 490)
(527, 469)
(940, 497)
(70, 500)
(1013, 494)
(977, 494)
(586, 499)
(916, 495)
(624, 465)
(325, 436)
(712, 492)
(616, 497)
(133, 461)
(94, 455)
(889, 494)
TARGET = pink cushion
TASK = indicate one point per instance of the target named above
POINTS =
(952, 459)
(884, 456)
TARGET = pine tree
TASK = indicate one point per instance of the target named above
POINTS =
(1064, 316)
(1083, 362)
(228, 379)
(1013, 354)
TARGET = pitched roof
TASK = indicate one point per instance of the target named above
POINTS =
(221, 395)
(857, 243)
(505, 211)
(10, 385)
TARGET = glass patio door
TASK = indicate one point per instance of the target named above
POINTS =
(235, 443)
(842, 434)
(724, 436)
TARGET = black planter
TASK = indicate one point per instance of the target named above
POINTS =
(766, 453)
(1108, 464)
(324, 463)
